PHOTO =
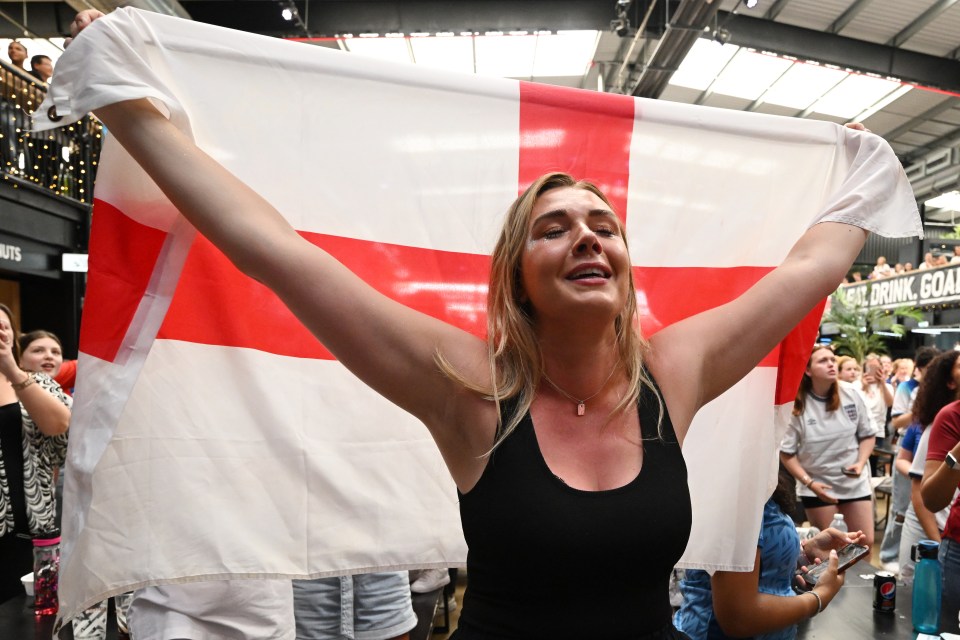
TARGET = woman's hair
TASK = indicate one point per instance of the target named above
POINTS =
(13, 329)
(806, 386)
(27, 338)
(900, 361)
(842, 360)
(936, 390)
(516, 363)
(785, 495)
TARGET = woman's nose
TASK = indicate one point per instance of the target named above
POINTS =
(588, 241)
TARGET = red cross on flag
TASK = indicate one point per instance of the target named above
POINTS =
(214, 436)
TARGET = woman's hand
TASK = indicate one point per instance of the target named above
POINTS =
(830, 580)
(820, 488)
(82, 20)
(818, 548)
(854, 469)
(8, 364)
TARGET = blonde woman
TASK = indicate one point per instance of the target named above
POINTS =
(848, 370)
(584, 417)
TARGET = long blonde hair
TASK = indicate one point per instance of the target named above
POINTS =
(514, 356)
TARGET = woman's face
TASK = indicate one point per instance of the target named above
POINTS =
(904, 371)
(575, 258)
(42, 355)
(849, 371)
(887, 365)
(823, 366)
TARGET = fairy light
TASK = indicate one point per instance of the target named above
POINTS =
(56, 160)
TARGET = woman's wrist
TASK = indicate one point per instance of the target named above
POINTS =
(20, 380)
(819, 602)
(806, 481)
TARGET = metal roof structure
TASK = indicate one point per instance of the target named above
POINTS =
(892, 64)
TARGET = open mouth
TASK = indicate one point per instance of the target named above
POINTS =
(588, 272)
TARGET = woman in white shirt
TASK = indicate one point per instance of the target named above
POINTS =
(828, 445)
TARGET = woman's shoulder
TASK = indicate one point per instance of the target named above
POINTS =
(850, 393)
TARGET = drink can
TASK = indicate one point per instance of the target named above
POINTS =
(884, 592)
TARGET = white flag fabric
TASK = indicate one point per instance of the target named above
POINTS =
(213, 437)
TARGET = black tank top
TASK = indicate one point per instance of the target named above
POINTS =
(549, 561)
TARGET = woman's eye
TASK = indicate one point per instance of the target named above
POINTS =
(607, 232)
(555, 232)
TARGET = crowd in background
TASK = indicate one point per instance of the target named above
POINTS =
(41, 66)
(883, 269)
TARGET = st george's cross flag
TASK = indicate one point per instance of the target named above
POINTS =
(214, 437)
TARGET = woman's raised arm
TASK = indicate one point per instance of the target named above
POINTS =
(387, 345)
(713, 350)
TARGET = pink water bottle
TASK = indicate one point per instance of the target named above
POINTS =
(46, 571)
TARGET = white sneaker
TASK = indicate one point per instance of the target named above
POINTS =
(452, 604)
(430, 580)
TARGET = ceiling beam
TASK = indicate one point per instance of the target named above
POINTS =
(913, 123)
(327, 18)
(775, 9)
(848, 15)
(945, 140)
(687, 24)
(922, 21)
(909, 66)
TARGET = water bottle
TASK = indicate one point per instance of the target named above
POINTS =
(926, 586)
(46, 571)
(838, 523)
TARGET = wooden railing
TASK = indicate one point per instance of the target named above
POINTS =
(62, 161)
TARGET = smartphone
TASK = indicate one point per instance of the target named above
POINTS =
(849, 472)
(847, 556)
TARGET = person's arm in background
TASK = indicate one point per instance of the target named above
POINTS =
(901, 415)
(51, 416)
(795, 469)
(903, 462)
(742, 610)
(864, 449)
(940, 481)
(927, 518)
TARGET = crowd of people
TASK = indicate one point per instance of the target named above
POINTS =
(882, 269)
(41, 66)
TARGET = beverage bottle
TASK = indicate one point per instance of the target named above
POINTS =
(46, 571)
(838, 523)
(926, 586)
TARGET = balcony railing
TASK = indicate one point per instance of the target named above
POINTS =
(62, 161)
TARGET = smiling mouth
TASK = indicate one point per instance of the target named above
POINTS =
(589, 273)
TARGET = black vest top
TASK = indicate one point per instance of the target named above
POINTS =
(549, 561)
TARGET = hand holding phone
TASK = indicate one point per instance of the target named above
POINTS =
(847, 556)
(847, 471)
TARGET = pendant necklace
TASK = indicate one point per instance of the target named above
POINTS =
(581, 404)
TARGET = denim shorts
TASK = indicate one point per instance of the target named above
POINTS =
(371, 606)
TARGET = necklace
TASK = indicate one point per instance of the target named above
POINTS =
(581, 404)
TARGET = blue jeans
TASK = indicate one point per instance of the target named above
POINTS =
(950, 602)
(371, 606)
(900, 501)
